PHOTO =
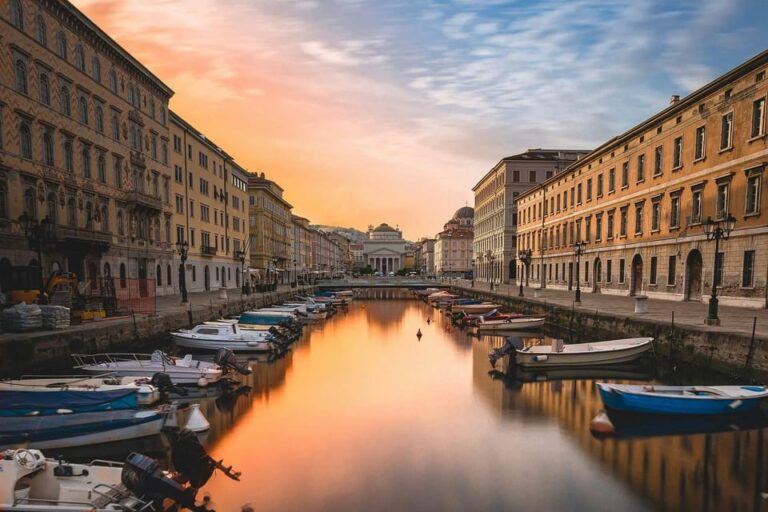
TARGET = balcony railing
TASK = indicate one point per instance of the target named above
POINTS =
(207, 250)
(70, 235)
(137, 198)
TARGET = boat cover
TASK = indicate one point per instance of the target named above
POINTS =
(13, 403)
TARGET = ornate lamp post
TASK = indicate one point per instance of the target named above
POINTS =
(717, 230)
(492, 270)
(578, 250)
(525, 257)
(241, 256)
(474, 272)
(38, 235)
(183, 248)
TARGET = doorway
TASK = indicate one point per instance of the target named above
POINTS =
(637, 275)
(693, 269)
(597, 275)
(207, 278)
(570, 275)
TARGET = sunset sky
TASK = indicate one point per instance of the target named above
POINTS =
(369, 111)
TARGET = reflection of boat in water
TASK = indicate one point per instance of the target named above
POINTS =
(583, 354)
(618, 372)
(156, 446)
(625, 425)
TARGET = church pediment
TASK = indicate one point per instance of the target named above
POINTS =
(383, 251)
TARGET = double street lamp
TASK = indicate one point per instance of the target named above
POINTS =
(525, 258)
(183, 248)
(578, 250)
(38, 234)
(241, 256)
(717, 230)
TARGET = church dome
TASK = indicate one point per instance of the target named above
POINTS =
(383, 228)
(465, 212)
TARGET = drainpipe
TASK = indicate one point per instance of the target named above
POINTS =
(542, 245)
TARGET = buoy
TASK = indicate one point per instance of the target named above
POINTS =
(202, 382)
(428, 320)
(601, 425)
(196, 421)
(418, 333)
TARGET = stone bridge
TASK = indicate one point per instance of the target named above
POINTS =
(381, 282)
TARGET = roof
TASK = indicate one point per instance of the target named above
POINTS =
(384, 227)
(465, 212)
(538, 155)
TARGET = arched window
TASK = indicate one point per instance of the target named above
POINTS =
(25, 140)
(168, 231)
(96, 65)
(102, 165)
(71, 213)
(79, 57)
(3, 200)
(51, 208)
(115, 126)
(157, 229)
(48, 149)
(30, 206)
(86, 158)
(118, 174)
(61, 44)
(152, 108)
(17, 14)
(107, 271)
(21, 76)
(42, 31)
(168, 275)
(66, 107)
(162, 116)
(164, 150)
(45, 89)
(104, 218)
(99, 119)
(120, 223)
(113, 81)
(83, 109)
(69, 165)
(123, 280)
(88, 215)
(158, 277)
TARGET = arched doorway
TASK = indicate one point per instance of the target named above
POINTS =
(693, 268)
(158, 277)
(637, 275)
(91, 275)
(237, 278)
(597, 275)
(513, 271)
(207, 278)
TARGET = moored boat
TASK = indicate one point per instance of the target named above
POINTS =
(509, 324)
(184, 370)
(228, 336)
(77, 387)
(583, 354)
(474, 308)
(685, 400)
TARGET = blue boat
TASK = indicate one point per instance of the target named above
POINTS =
(26, 403)
(681, 400)
(254, 318)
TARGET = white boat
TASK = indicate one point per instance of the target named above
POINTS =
(485, 307)
(184, 370)
(147, 394)
(510, 324)
(583, 354)
(215, 337)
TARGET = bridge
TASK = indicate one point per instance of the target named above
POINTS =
(380, 282)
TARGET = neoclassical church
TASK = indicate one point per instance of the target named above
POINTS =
(384, 250)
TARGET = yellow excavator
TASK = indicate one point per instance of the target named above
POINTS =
(62, 288)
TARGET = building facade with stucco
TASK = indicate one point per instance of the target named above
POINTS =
(385, 249)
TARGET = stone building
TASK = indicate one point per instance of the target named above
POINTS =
(270, 223)
(495, 222)
(453, 245)
(84, 151)
(427, 257)
(385, 248)
(641, 201)
(301, 256)
(210, 197)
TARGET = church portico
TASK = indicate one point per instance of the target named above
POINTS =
(384, 250)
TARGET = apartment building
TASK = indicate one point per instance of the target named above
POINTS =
(270, 228)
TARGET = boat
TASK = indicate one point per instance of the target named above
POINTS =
(62, 387)
(35, 403)
(474, 308)
(583, 354)
(509, 324)
(215, 337)
(184, 370)
(681, 400)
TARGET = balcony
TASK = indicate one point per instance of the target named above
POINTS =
(207, 250)
(138, 199)
(78, 238)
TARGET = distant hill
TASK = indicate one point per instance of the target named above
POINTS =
(351, 234)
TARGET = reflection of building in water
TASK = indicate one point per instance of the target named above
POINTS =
(696, 472)
(384, 294)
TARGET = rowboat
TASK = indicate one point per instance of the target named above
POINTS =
(184, 370)
(474, 308)
(215, 337)
(75, 386)
(42, 403)
(697, 400)
(583, 354)
(509, 324)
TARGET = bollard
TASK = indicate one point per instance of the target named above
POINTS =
(641, 304)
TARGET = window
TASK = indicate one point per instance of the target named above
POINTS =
(599, 185)
(752, 205)
(179, 234)
(42, 31)
(655, 216)
(609, 235)
(625, 174)
(177, 174)
(99, 119)
(674, 211)
(654, 265)
(117, 167)
(621, 271)
(608, 270)
(640, 168)
(658, 160)
(61, 44)
(48, 158)
(748, 269)
(21, 76)
(639, 218)
(722, 201)
(164, 152)
(532, 176)
(589, 189)
(587, 229)
(677, 154)
(86, 157)
(516, 176)
(726, 132)
(671, 270)
(96, 68)
(719, 260)
(45, 89)
(205, 213)
(30, 203)
(115, 126)
(25, 140)
(66, 107)
(598, 227)
(578, 194)
(79, 57)
(72, 213)
(3, 200)
(83, 109)
(758, 118)
(611, 180)
(191, 208)
(102, 168)
(179, 204)
(177, 144)
(623, 221)
(152, 108)
(701, 143)
(69, 165)
(17, 14)
(123, 282)
(696, 206)
(113, 81)
(153, 147)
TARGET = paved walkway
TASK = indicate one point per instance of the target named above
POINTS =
(688, 314)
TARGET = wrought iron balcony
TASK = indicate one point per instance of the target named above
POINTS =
(142, 200)
(207, 250)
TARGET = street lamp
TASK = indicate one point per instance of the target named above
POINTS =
(183, 248)
(274, 269)
(295, 276)
(525, 258)
(578, 250)
(717, 230)
(492, 274)
(241, 256)
(38, 234)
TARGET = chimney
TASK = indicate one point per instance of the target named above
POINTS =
(674, 99)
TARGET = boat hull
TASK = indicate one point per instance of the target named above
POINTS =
(24, 403)
(618, 400)
(514, 325)
(474, 308)
(213, 345)
(566, 359)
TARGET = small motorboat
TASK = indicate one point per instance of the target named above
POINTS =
(229, 336)
(42, 403)
(485, 307)
(686, 400)
(582, 354)
(509, 324)
(184, 370)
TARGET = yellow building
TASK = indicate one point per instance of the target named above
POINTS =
(209, 197)
(83, 151)
(641, 202)
(271, 229)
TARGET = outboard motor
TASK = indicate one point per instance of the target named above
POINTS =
(228, 361)
(193, 463)
(164, 383)
(144, 477)
(511, 344)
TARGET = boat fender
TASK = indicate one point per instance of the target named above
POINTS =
(601, 425)
(540, 358)
(202, 382)
(735, 404)
(196, 421)
(64, 411)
